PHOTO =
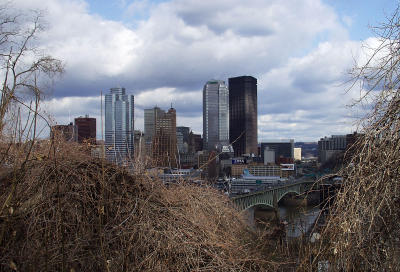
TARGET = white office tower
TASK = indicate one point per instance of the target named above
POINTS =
(215, 115)
(119, 126)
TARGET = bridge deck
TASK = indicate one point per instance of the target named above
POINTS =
(269, 197)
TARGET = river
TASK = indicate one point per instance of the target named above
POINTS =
(300, 219)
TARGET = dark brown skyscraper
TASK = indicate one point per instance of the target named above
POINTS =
(164, 140)
(243, 114)
(86, 129)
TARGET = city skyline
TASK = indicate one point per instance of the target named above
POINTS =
(299, 51)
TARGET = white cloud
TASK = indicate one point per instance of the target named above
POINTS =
(90, 46)
(298, 49)
(165, 96)
(348, 20)
(307, 98)
(64, 110)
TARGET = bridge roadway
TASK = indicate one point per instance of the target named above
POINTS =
(271, 196)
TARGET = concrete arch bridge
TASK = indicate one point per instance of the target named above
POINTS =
(269, 197)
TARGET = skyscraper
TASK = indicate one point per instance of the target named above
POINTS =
(150, 117)
(185, 133)
(182, 134)
(215, 114)
(139, 145)
(164, 141)
(160, 136)
(243, 114)
(119, 125)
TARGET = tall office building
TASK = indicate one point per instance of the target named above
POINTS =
(119, 125)
(160, 136)
(86, 129)
(243, 114)
(215, 114)
(185, 133)
(182, 134)
(150, 117)
(195, 142)
(139, 145)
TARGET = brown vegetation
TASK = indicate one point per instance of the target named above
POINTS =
(363, 229)
(64, 211)
(67, 211)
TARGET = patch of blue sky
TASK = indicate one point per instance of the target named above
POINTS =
(110, 10)
(358, 15)
(126, 11)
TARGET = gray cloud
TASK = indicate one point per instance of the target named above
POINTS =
(169, 55)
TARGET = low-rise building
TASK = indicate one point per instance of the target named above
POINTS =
(67, 132)
(207, 162)
(328, 147)
(265, 170)
(283, 150)
(98, 151)
(297, 153)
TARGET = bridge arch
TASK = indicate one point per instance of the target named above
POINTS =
(297, 192)
(260, 204)
(268, 198)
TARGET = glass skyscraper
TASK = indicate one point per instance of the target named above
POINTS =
(215, 114)
(119, 125)
(243, 114)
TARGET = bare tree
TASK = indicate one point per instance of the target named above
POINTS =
(362, 233)
(24, 67)
(22, 64)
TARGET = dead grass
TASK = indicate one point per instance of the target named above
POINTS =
(67, 212)
(363, 229)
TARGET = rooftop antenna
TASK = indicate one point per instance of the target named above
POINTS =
(69, 116)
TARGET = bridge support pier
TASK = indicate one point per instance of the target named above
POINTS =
(275, 206)
(249, 214)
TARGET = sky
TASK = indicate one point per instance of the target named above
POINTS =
(163, 52)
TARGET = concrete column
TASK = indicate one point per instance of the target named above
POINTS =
(276, 211)
(275, 200)
(249, 214)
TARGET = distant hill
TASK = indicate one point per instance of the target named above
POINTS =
(308, 149)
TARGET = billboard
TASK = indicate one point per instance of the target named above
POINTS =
(239, 161)
(287, 167)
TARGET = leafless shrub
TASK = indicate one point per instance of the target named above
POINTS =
(363, 230)
(70, 212)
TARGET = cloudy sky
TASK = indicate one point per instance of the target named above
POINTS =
(163, 52)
